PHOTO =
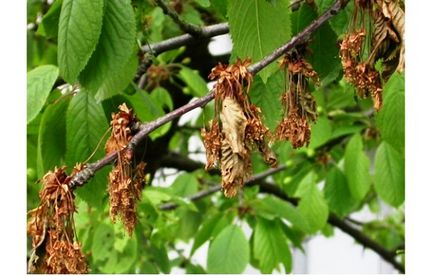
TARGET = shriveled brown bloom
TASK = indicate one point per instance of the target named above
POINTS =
(362, 75)
(386, 44)
(125, 180)
(236, 127)
(299, 105)
(212, 141)
(51, 226)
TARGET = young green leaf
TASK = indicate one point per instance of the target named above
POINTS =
(250, 23)
(103, 242)
(270, 246)
(184, 185)
(205, 232)
(49, 26)
(79, 29)
(39, 83)
(389, 174)
(229, 252)
(357, 168)
(115, 46)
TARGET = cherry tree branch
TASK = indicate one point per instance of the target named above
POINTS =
(83, 176)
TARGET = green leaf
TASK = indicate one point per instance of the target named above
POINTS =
(49, 26)
(267, 97)
(79, 29)
(205, 232)
(321, 132)
(229, 252)
(389, 174)
(86, 125)
(250, 23)
(337, 192)
(194, 81)
(52, 138)
(160, 258)
(39, 83)
(270, 246)
(203, 3)
(184, 185)
(277, 207)
(189, 222)
(391, 117)
(117, 82)
(103, 242)
(312, 207)
(162, 96)
(115, 46)
(148, 109)
(357, 168)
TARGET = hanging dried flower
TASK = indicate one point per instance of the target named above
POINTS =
(125, 180)
(51, 226)
(298, 103)
(387, 45)
(236, 127)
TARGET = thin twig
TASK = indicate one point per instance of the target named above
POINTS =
(185, 26)
(82, 177)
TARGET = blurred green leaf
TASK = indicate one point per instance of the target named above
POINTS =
(270, 246)
(193, 80)
(229, 252)
(49, 26)
(389, 175)
(357, 168)
(391, 118)
(337, 192)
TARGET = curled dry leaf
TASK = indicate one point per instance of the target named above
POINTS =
(236, 127)
(126, 181)
(51, 226)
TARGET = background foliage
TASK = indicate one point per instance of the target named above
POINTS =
(355, 159)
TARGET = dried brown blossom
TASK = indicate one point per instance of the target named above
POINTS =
(386, 44)
(236, 127)
(126, 181)
(298, 103)
(51, 227)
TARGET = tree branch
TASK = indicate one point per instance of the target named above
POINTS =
(333, 219)
(185, 26)
(178, 41)
(83, 176)
(189, 37)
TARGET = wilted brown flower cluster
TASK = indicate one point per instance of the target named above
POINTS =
(298, 104)
(51, 226)
(387, 45)
(236, 127)
(125, 180)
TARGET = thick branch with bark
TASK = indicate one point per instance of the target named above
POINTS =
(333, 219)
(90, 169)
